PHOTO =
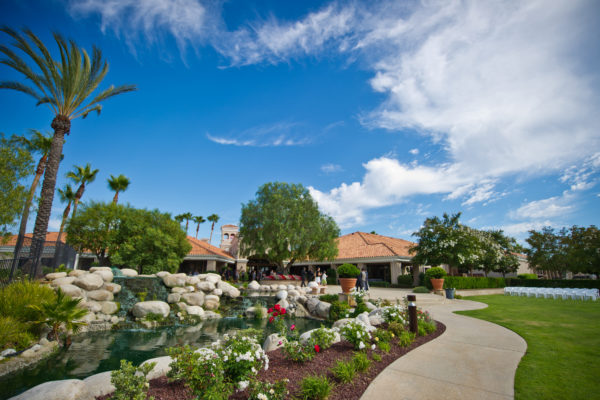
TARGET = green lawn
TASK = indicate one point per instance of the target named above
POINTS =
(563, 344)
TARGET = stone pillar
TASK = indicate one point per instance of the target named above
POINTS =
(416, 270)
(242, 266)
(395, 271)
(211, 266)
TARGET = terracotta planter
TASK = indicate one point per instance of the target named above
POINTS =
(438, 284)
(347, 284)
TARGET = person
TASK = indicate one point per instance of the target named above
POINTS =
(359, 282)
(324, 278)
(311, 275)
(236, 274)
(253, 275)
(318, 277)
(303, 276)
(364, 276)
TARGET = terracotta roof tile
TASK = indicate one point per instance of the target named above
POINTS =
(368, 245)
(201, 248)
(50, 237)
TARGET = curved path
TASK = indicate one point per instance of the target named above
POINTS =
(473, 359)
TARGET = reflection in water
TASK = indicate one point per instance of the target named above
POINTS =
(96, 352)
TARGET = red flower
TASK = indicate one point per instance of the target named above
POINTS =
(277, 307)
(271, 319)
(292, 327)
(275, 314)
(282, 311)
(270, 310)
(317, 348)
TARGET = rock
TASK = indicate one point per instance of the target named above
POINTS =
(301, 311)
(89, 317)
(281, 287)
(312, 303)
(92, 305)
(67, 280)
(179, 290)
(301, 299)
(100, 295)
(306, 336)
(282, 294)
(217, 292)
(293, 294)
(195, 310)
(182, 306)
(69, 389)
(129, 272)
(114, 288)
(114, 319)
(284, 303)
(192, 280)
(253, 285)
(211, 302)
(291, 287)
(174, 298)
(175, 280)
(89, 281)
(162, 274)
(211, 315)
(140, 310)
(313, 284)
(190, 289)
(228, 290)
(214, 278)
(364, 319)
(370, 306)
(250, 312)
(376, 320)
(28, 353)
(109, 307)
(206, 286)
(94, 269)
(56, 275)
(265, 288)
(77, 273)
(72, 291)
(107, 276)
(323, 309)
(202, 277)
(341, 322)
(160, 369)
(99, 384)
(44, 342)
(193, 299)
(8, 352)
(273, 342)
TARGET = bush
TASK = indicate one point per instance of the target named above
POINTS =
(406, 338)
(393, 314)
(435, 273)
(344, 371)
(268, 391)
(315, 388)
(348, 271)
(242, 357)
(527, 276)
(357, 334)
(361, 361)
(383, 284)
(384, 346)
(323, 337)
(298, 352)
(405, 281)
(426, 328)
(16, 298)
(332, 276)
(396, 328)
(259, 312)
(376, 357)
(130, 382)
(329, 298)
(470, 282)
(338, 310)
(420, 289)
(14, 334)
(382, 335)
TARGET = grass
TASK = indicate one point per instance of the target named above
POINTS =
(563, 344)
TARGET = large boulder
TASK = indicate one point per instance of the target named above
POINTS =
(192, 280)
(72, 291)
(92, 305)
(179, 289)
(228, 290)
(109, 307)
(301, 311)
(129, 272)
(273, 342)
(364, 319)
(107, 276)
(214, 278)
(323, 309)
(67, 280)
(69, 389)
(100, 295)
(253, 285)
(312, 303)
(283, 303)
(370, 306)
(162, 274)
(114, 288)
(306, 336)
(140, 310)
(99, 384)
(77, 273)
(206, 286)
(293, 294)
(174, 298)
(195, 310)
(341, 322)
(175, 280)
(94, 269)
(55, 275)
(282, 294)
(193, 299)
(217, 292)
(211, 302)
(89, 281)
(161, 368)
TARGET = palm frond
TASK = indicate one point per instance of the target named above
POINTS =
(20, 88)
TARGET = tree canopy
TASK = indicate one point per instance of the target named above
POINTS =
(283, 223)
(149, 241)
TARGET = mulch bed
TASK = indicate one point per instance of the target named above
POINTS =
(280, 368)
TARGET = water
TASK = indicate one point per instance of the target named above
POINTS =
(96, 352)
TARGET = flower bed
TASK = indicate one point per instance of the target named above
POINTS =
(280, 277)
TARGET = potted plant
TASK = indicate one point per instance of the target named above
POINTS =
(436, 276)
(347, 274)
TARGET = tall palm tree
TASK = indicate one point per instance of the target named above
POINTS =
(179, 218)
(198, 220)
(67, 195)
(214, 218)
(118, 184)
(81, 176)
(38, 143)
(66, 85)
(187, 216)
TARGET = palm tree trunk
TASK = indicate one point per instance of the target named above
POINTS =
(64, 219)
(211, 232)
(197, 229)
(186, 226)
(61, 126)
(78, 197)
(116, 198)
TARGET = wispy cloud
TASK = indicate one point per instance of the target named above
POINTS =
(546, 208)
(414, 152)
(274, 135)
(331, 168)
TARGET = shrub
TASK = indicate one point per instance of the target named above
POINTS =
(242, 357)
(323, 337)
(405, 280)
(383, 284)
(268, 391)
(344, 371)
(376, 357)
(405, 338)
(16, 298)
(348, 271)
(527, 276)
(435, 273)
(426, 328)
(153, 317)
(357, 334)
(470, 282)
(259, 312)
(315, 387)
(382, 335)
(14, 334)
(393, 314)
(338, 310)
(384, 346)
(329, 298)
(298, 352)
(420, 289)
(332, 276)
(252, 333)
(396, 328)
(361, 361)
(130, 382)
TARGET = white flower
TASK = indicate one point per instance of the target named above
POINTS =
(361, 345)
(271, 391)
(243, 384)
(262, 396)
(372, 347)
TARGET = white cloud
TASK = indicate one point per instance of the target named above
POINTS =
(274, 135)
(546, 208)
(54, 224)
(414, 152)
(331, 168)
(523, 227)
(581, 177)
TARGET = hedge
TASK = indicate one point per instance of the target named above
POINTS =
(405, 281)
(468, 282)
(383, 284)
(555, 283)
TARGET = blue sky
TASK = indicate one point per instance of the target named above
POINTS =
(390, 112)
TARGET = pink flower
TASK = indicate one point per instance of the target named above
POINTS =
(279, 344)
(292, 327)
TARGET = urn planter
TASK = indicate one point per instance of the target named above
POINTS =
(347, 284)
(438, 284)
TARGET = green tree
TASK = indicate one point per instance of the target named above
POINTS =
(16, 165)
(214, 218)
(82, 176)
(118, 184)
(547, 251)
(187, 216)
(67, 86)
(284, 223)
(66, 195)
(198, 220)
(583, 249)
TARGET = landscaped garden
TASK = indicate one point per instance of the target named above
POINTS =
(563, 344)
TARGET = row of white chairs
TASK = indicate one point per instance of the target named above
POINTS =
(553, 293)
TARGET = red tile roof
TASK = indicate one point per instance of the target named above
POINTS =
(50, 237)
(201, 248)
(368, 245)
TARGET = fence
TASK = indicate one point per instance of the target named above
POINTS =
(35, 259)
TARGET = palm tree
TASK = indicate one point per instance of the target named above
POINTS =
(38, 143)
(66, 85)
(187, 216)
(198, 220)
(67, 195)
(179, 218)
(118, 184)
(81, 176)
(212, 218)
